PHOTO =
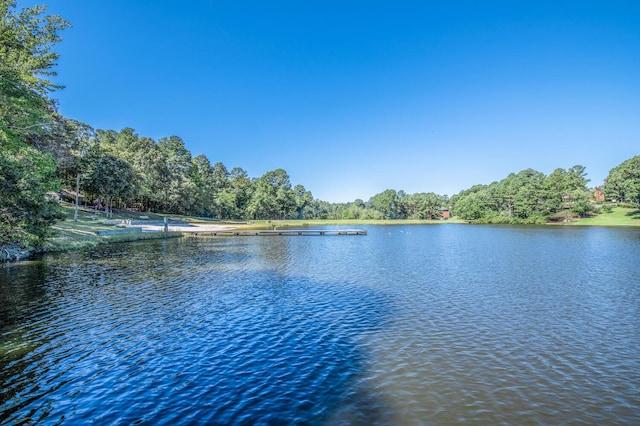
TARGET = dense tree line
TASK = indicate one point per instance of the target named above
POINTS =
(526, 197)
(532, 197)
(124, 170)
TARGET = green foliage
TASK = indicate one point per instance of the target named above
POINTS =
(110, 178)
(607, 208)
(386, 203)
(581, 202)
(623, 181)
(526, 197)
(240, 187)
(27, 39)
(27, 116)
(421, 206)
(164, 177)
(26, 211)
(272, 196)
(474, 205)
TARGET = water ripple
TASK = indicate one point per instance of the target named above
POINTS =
(540, 328)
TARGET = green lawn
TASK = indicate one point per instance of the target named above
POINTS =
(619, 216)
(69, 235)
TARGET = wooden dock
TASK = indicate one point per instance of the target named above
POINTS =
(282, 232)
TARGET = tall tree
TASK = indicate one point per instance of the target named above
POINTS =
(554, 191)
(474, 204)
(179, 193)
(69, 144)
(202, 177)
(240, 187)
(623, 181)
(272, 197)
(27, 39)
(27, 58)
(525, 193)
(224, 197)
(386, 203)
(111, 178)
(422, 205)
(220, 176)
(302, 198)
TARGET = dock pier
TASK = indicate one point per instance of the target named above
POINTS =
(282, 232)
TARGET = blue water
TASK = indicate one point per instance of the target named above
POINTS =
(408, 325)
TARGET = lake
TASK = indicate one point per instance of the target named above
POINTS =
(431, 324)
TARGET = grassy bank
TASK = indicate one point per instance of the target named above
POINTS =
(71, 235)
(618, 216)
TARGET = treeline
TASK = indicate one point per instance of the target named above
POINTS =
(526, 197)
(127, 171)
(124, 170)
(531, 197)
(389, 204)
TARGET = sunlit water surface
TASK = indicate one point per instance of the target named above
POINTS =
(409, 325)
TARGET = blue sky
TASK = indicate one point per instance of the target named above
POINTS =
(355, 97)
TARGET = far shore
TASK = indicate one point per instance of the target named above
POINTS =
(93, 228)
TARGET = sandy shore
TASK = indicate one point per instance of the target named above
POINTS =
(184, 228)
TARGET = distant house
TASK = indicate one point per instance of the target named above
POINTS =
(444, 213)
(598, 195)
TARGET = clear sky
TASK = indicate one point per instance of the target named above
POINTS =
(355, 97)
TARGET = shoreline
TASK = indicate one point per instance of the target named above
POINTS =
(86, 233)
